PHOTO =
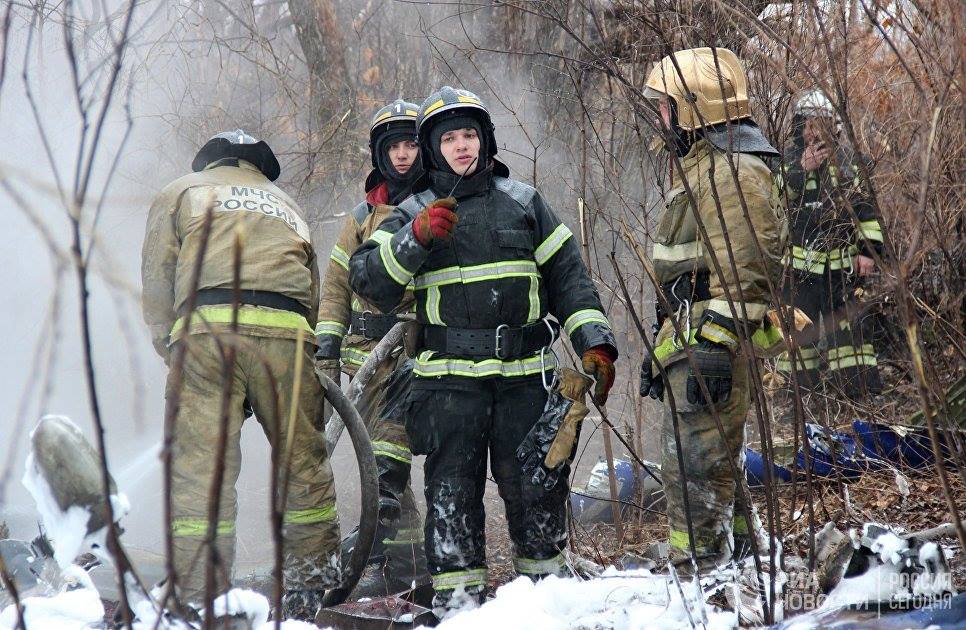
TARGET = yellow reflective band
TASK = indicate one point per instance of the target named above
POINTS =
(811, 183)
(673, 344)
(767, 337)
(432, 307)
(381, 236)
(754, 310)
(585, 316)
(395, 270)
(198, 527)
(849, 356)
(336, 329)
(427, 366)
(719, 334)
(784, 363)
(248, 315)
(340, 257)
(552, 244)
(351, 356)
(870, 230)
(678, 253)
(477, 273)
(311, 516)
(533, 295)
(529, 566)
(678, 539)
(739, 525)
(398, 452)
(468, 99)
(432, 108)
(454, 579)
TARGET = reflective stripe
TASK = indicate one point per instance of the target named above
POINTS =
(808, 359)
(340, 257)
(811, 183)
(247, 316)
(432, 307)
(719, 334)
(395, 270)
(678, 539)
(870, 230)
(394, 451)
(585, 316)
(755, 310)
(677, 253)
(552, 244)
(672, 344)
(767, 338)
(529, 566)
(842, 258)
(534, 297)
(351, 356)
(311, 516)
(381, 236)
(454, 579)
(427, 366)
(337, 329)
(833, 173)
(849, 356)
(198, 527)
(477, 273)
(739, 525)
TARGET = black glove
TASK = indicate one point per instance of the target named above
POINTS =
(714, 362)
(651, 385)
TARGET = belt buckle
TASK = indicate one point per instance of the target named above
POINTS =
(362, 321)
(498, 347)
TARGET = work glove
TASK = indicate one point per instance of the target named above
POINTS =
(435, 222)
(552, 440)
(599, 363)
(714, 362)
(651, 384)
(333, 369)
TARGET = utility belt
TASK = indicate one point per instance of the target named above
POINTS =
(372, 326)
(504, 342)
(682, 292)
(816, 260)
(270, 299)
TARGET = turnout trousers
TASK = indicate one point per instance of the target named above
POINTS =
(263, 374)
(708, 461)
(457, 421)
(849, 362)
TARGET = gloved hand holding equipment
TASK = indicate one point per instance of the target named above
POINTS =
(552, 440)
(718, 340)
(435, 222)
(651, 384)
(332, 369)
(598, 362)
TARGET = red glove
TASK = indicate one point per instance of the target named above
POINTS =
(599, 363)
(436, 221)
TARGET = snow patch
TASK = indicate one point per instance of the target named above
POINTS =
(242, 601)
(78, 605)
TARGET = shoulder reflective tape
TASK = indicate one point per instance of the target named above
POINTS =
(432, 307)
(586, 316)
(340, 257)
(870, 230)
(529, 566)
(477, 273)
(395, 270)
(552, 244)
(427, 366)
(533, 295)
(351, 356)
(336, 329)
(247, 316)
(677, 253)
(380, 236)
(198, 527)
(455, 579)
(311, 516)
(754, 310)
(398, 452)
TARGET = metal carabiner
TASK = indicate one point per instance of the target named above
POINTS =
(555, 378)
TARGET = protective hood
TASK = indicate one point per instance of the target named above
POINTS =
(744, 137)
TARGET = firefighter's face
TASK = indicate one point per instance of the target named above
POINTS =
(817, 129)
(461, 148)
(402, 155)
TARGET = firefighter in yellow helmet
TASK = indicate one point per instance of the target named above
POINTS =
(255, 221)
(349, 327)
(702, 95)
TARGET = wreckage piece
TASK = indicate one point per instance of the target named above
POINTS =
(369, 482)
(384, 613)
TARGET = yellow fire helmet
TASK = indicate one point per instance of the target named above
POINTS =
(704, 97)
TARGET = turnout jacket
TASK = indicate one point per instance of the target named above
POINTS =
(338, 300)
(510, 261)
(682, 256)
(824, 234)
(276, 254)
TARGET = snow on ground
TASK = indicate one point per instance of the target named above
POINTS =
(618, 600)
(78, 605)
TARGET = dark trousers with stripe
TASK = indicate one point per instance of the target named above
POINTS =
(849, 363)
(459, 421)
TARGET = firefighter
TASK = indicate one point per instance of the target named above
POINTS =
(255, 221)
(714, 307)
(835, 238)
(349, 327)
(490, 261)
